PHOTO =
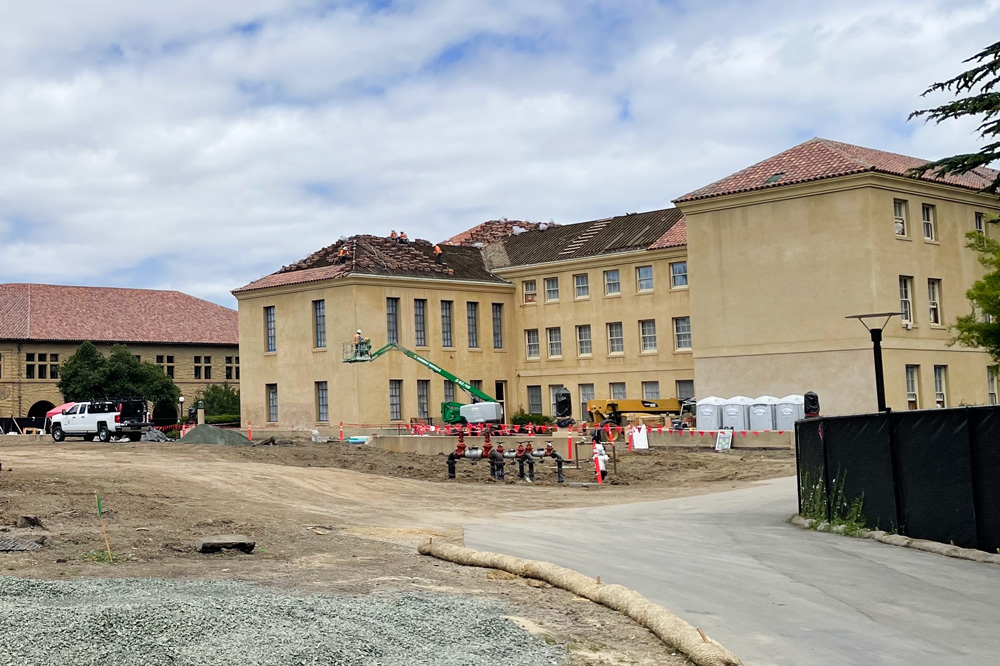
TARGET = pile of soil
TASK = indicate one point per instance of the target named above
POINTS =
(208, 434)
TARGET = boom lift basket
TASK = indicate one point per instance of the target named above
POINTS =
(354, 353)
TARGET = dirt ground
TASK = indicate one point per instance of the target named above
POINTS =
(331, 518)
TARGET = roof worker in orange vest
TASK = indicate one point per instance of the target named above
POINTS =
(343, 255)
(403, 238)
(392, 236)
(437, 253)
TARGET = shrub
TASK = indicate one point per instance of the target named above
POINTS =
(222, 418)
(523, 418)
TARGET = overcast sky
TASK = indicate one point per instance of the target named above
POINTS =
(198, 145)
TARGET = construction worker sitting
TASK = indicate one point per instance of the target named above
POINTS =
(403, 238)
(392, 236)
(437, 253)
(343, 255)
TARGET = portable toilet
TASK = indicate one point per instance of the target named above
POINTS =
(708, 412)
(762, 413)
(735, 413)
(789, 409)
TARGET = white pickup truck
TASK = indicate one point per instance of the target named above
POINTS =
(92, 419)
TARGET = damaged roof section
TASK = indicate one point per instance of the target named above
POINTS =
(378, 255)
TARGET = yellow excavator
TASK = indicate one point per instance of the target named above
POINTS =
(615, 412)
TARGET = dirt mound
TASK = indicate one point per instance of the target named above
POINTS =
(207, 434)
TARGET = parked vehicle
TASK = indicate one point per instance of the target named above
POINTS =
(102, 419)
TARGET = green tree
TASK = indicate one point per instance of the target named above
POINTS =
(981, 327)
(980, 99)
(220, 399)
(87, 374)
(83, 374)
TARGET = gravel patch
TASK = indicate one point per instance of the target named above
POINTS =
(151, 622)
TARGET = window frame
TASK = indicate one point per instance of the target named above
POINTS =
(901, 217)
(529, 296)
(322, 402)
(447, 317)
(396, 399)
(551, 285)
(912, 376)
(581, 340)
(906, 298)
(583, 285)
(639, 279)
(271, 391)
(935, 314)
(617, 282)
(677, 389)
(584, 400)
(678, 334)
(420, 322)
(554, 342)
(646, 392)
(612, 338)
(528, 343)
(647, 341)
(992, 372)
(392, 319)
(423, 398)
(928, 217)
(496, 310)
(980, 222)
(531, 404)
(449, 391)
(319, 323)
(612, 386)
(270, 329)
(675, 276)
(472, 321)
(941, 386)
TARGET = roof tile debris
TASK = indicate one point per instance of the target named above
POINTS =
(377, 255)
(110, 314)
(493, 231)
(818, 159)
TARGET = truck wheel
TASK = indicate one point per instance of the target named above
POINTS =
(615, 434)
(102, 433)
(57, 434)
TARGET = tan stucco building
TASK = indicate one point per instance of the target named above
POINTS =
(781, 252)
(742, 289)
(41, 326)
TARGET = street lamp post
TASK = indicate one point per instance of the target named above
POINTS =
(876, 334)
(180, 416)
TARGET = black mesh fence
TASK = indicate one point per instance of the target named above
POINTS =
(931, 474)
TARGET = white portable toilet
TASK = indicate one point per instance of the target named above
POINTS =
(789, 409)
(708, 413)
(762, 413)
(736, 413)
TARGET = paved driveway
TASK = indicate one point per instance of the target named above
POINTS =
(772, 593)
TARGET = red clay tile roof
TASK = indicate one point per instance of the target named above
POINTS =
(491, 232)
(109, 314)
(817, 159)
(377, 255)
(675, 236)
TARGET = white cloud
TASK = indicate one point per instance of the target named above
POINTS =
(159, 145)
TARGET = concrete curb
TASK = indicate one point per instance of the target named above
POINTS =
(945, 549)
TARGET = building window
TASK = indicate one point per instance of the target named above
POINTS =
(899, 217)
(534, 399)
(1, 366)
(555, 341)
(531, 338)
(927, 211)
(472, 316)
(232, 367)
(980, 223)
(991, 384)
(941, 385)
(272, 403)
(449, 391)
(584, 344)
(423, 389)
(617, 390)
(43, 371)
(647, 331)
(272, 343)
(553, 389)
(202, 367)
(644, 278)
(166, 364)
(322, 402)
(905, 298)
(319, 322)
(392, 319)
(912, 381)
(498, 326)
(651, 390)
(197, 367)
(420, 322)
(54, 367)
(476, 384)
(685, 389)
(612, 283)
(679, 274)
(446, 323)
(551, 289)
(500, 394)
(395, 399)
(530, 291)
(581, 283)
(586, 395)
(616, 338)
(29, 370)
(682, 333)
(934, 300)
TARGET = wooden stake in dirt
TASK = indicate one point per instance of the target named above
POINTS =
(104, 529)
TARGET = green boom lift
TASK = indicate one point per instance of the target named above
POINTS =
(451, 412)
